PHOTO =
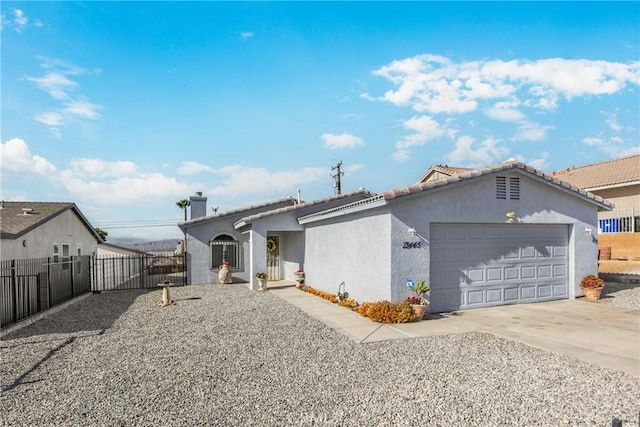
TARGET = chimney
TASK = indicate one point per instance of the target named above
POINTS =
(198, 205)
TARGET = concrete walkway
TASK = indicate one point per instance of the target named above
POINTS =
(605, 335)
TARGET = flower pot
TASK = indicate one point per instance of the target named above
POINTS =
(299, 277)
(263, 284)
(224, 274)
(419, 311)
(592, 294)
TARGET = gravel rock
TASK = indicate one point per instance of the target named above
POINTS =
(623, 295)
(227, 356)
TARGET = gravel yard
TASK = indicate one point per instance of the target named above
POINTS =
(226, 356)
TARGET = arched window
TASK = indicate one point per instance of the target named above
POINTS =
(224, 248)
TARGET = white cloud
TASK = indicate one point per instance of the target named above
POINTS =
(15, 157)
(612, 121)
(343, 140)
(193, 168)
(81, 107)
(504, 114)
(613, 146)
(125, 190)
(436, 84)
(467, 153)
(237, 179)
(50, 118)
(539, 163)
(19, 19)
(425, 128)
(57, 83)
(530, 131)
(401, 155)
(101, 168)
(246, 35)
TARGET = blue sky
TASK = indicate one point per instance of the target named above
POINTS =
(127, 107)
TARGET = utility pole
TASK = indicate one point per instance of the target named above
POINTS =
(337, 176)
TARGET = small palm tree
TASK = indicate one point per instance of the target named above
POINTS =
(183, 204)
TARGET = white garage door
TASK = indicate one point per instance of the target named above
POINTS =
(480, 265)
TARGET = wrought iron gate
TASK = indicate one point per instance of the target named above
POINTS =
(138, 272)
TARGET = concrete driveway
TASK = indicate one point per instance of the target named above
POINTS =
(605, 335)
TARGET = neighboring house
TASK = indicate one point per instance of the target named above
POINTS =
(440, 172)
(618, 181)
(45, 229)
(504, 234)
(110, 250)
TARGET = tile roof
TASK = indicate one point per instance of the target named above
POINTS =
(617, 172)
(365, 194)
(498, 167)
(280, 202)
(387, 196)
(18, 218)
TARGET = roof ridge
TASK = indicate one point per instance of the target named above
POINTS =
(572, 168)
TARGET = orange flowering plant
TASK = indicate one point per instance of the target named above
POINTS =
(591, 281)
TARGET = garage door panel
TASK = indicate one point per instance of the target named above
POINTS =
(494, 274)
(543, 271)
(511, 273)
(560, 290)
(545, 291)
(560, 270)
(494, 295)
(559, 252)
(511, 294)
(527, 293)
(527, 272)
(497, 264)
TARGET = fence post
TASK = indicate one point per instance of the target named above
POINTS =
(73, 273)
(14, 291)
(141, 269)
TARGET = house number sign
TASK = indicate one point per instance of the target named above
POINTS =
(411, 245)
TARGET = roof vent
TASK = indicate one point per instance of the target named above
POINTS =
(27, 211)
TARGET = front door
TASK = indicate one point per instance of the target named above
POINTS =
(273, 257)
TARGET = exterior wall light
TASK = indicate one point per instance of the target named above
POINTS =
(412, 232)
(589, 231)
(511, 216)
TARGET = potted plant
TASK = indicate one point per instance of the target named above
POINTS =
(592, 286)
(224, 274)
(419, 304)
(262, 280)
(299, 277)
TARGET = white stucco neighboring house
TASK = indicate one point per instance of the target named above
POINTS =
(45, 229)
(504, 234)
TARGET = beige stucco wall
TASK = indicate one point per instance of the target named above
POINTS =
(622, 198)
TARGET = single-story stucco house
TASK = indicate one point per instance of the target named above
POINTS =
(504, 234)
(45, 229)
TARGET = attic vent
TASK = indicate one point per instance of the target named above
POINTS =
(501, 187)
(506, 187)
(514, 188)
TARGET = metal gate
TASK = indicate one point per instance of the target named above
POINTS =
(138, 272)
